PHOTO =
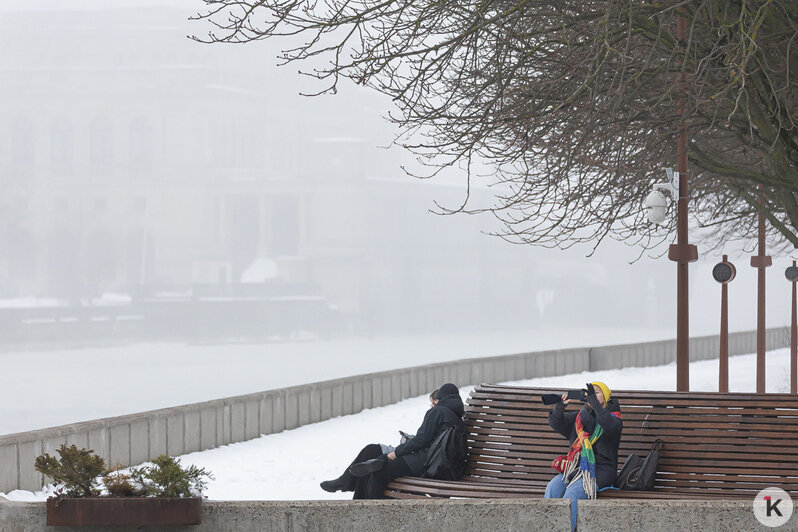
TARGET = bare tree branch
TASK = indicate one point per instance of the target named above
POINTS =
(571, 102)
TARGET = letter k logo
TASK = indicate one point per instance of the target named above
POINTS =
(773, 506)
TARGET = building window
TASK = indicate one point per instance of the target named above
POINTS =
(140, 145)
(283, 217)
(62, 144)
(101, 143)
(22, 148)
(140, 205)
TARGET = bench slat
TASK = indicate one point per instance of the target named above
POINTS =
(753, 452)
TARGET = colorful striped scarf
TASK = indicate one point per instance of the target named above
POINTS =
(580, 462)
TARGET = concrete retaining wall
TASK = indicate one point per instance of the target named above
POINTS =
(667, 516)
(136, 438)
(438, 515)
(285, 516)
(701, 348)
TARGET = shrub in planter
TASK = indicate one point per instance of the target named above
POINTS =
(162, 494)
(117, 483)
(167, 478)
(76, 470)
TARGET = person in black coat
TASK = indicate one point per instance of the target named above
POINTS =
(574, 482)
(370, 473)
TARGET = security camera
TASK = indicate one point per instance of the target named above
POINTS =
(656, 206)
(656, 203)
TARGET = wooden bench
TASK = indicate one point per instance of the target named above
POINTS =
(717, 445)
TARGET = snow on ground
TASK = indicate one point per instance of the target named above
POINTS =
(289, 465)
(151, 376)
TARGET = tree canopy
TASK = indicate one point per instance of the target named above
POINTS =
(573, 103)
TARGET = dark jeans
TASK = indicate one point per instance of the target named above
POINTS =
(373, 485)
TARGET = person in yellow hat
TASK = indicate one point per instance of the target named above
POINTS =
(602, 391)
(594, 435)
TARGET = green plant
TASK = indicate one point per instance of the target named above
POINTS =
(118, 483)
(166, 478)
(76, 470)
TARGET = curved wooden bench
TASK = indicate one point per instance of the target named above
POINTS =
(717, 445)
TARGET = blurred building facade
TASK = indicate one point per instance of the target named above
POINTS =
(135, 161)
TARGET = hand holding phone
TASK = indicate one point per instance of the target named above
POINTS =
(404, 436)
(578, 395)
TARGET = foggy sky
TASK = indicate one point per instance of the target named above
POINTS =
(136, 162)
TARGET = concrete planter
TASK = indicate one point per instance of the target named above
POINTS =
(115, 511)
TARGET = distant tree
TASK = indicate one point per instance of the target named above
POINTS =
(572, 102)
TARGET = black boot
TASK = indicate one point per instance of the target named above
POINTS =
(369, 466)
(333, 485)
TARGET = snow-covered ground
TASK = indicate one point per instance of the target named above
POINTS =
(41, 389)
(303, 457)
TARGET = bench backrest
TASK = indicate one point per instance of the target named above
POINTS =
(713, 441)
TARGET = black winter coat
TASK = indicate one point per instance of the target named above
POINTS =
(448, 412)
(606, 447)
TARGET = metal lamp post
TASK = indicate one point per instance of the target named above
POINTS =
(792, 275)
(724, 273)
(760, 261)
(683, 253)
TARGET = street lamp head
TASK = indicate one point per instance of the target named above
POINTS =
(656, 206)
(656, 203)
(791, 273)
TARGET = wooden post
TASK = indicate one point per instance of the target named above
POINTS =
(794, 343)
(761, 262)
(683, 253)
(723, 378)
(724, 273)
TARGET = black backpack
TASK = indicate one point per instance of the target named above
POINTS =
(447, 455)
(638, 473)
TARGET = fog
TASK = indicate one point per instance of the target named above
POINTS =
(157, 189)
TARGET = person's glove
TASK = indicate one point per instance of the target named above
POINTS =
(550, 398)
(590, 390)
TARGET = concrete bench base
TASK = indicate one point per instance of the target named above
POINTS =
(335, 516)
(669, 516)
(436, 516)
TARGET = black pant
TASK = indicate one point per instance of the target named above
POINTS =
(368, 452)
(373, 485)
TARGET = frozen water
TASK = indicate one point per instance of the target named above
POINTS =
(48, 388)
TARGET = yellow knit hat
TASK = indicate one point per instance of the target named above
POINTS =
(604, 389)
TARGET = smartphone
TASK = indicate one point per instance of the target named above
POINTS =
(404, 436)
(577, 394)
